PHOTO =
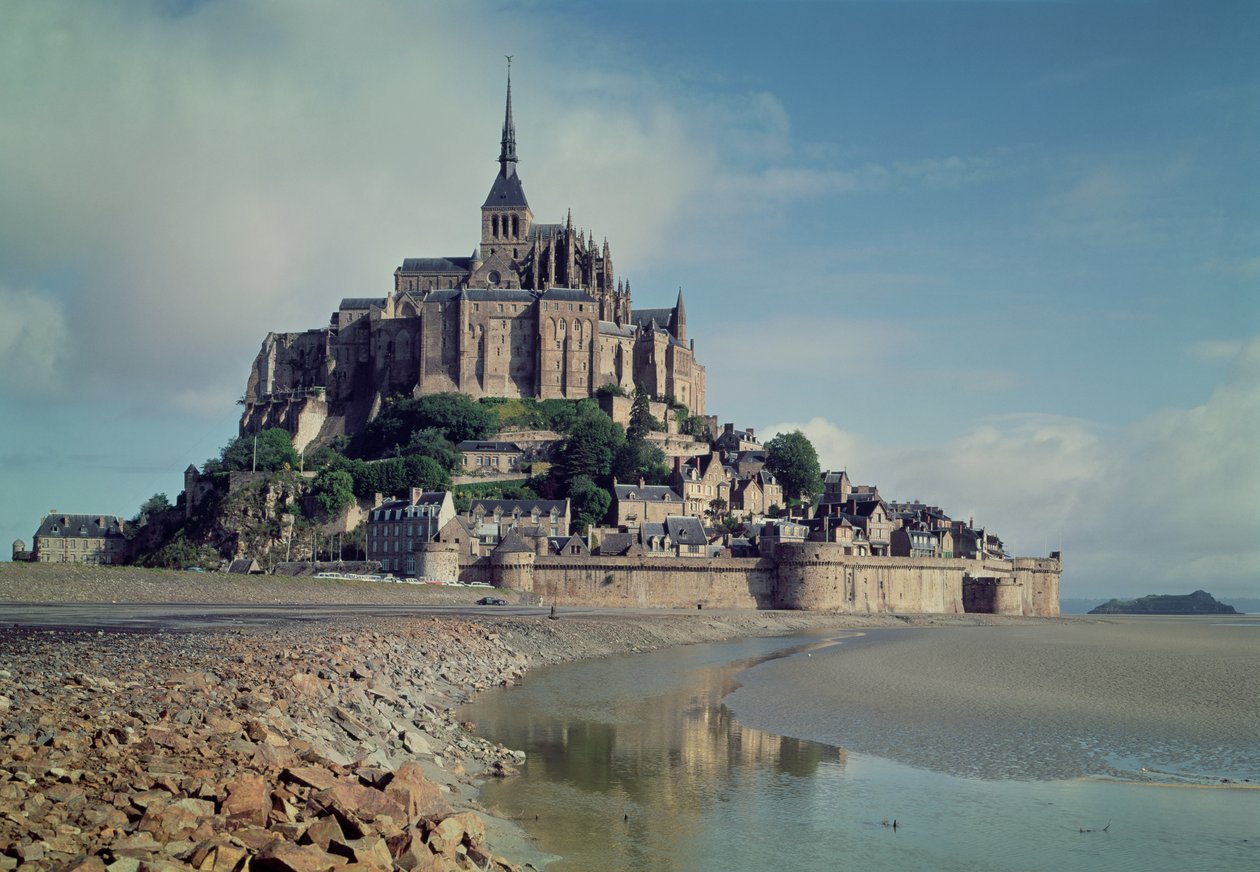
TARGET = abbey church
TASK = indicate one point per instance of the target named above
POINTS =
(535, 311)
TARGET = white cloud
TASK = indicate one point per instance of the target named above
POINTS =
(34, 345)
(1168, 503)
(1215, 349)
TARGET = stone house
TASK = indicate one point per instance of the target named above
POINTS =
(913, 542)
(756, 493)
(395, 528)
(95, 539)
(635, 505)
(490, 520)
(677, 536)
(732, 441)
(776, 532)
(491, 456)
(836, 489)
(699, 482)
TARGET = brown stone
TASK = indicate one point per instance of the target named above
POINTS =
(323, 832)
(307, 684)
(288, 857)
(248, 801)
(84, 863)
(220, 855)
(273, 756)
(167, 821)
(368, 851)
(312, 776)
(356, 802)
(419, 796)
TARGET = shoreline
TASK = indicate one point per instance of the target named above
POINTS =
(229, 741)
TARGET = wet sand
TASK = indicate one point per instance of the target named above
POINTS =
(1170, 700)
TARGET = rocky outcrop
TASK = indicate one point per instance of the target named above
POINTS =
(1198, 603)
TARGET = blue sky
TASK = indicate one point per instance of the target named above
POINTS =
(1002, 257)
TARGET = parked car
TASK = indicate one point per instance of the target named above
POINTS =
(492, 601)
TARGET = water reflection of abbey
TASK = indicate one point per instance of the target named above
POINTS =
(639, 763)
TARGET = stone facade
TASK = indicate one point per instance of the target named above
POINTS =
(95, 539)
(396, 529)
(535, 311)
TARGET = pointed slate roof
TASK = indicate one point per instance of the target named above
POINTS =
(507, 192)
(512, 544)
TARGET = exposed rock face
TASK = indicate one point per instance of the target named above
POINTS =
(1198, 603)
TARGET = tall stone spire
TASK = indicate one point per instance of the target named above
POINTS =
(506, 201)
(507, 148)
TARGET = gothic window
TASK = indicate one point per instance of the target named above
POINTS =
(494, 224)
(516, 227)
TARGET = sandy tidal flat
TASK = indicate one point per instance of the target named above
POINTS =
(1172, 699)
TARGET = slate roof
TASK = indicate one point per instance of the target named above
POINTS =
(570, 295)
(560, 544)
(473, 445)
(80, 526)
(513, 544)
(644, 317)
(507, 192)
(863, 508)
(662, 493)
(526, 506)
(427, 498)
(456, 265)
(357, 303)
(546, 230)
(685, 530)
(616, 544)
(608, 328)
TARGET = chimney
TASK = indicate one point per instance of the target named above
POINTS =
(416, 494)
(728, 428)
(750, 432)
(640, 482)
(678, 464)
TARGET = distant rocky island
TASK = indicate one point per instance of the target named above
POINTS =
(1198, 603)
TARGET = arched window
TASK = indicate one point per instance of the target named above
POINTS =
(494, 225)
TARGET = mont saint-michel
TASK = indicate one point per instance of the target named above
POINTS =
(509, 418)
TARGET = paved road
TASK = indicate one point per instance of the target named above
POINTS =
(195, 616)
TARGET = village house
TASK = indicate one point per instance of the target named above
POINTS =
(395, 528)
(756, 493)
(491, 456)
(636, 505)
(732, 441)
(490, 520)
(699, 482)
(96, 539)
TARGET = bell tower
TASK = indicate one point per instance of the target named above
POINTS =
(506, 216)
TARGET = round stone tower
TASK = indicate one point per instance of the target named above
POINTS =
(512, 564)
(438, 560)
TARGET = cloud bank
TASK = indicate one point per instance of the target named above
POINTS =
(1158, 505)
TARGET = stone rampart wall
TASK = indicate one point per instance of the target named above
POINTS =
(806, 576)
(655, 582)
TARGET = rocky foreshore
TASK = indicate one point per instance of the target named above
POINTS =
(307, 747)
